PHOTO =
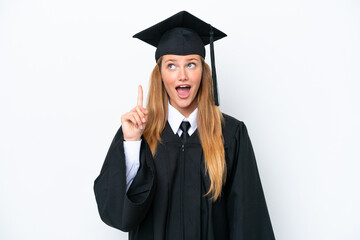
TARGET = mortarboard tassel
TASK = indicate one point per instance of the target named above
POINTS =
(213, 70)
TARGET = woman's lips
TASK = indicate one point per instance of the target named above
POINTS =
(183, 92)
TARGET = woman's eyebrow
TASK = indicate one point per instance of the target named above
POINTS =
(170, 60)
(192, 59)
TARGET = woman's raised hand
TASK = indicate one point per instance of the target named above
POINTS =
(133, 122)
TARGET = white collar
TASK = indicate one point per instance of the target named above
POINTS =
(175, 118)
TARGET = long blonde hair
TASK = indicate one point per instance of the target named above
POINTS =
(209, 120)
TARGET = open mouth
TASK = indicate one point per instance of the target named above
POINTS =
(183, 91)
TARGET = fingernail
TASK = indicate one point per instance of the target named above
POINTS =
(143, 120)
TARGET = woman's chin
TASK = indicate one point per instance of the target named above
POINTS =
(184, 105)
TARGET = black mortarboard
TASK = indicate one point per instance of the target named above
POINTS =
(183, 34)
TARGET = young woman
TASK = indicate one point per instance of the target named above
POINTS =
(181, 169)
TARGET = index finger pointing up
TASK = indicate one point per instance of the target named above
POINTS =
(140, 96)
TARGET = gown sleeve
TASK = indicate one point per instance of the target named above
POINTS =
(247, 212)
(118, 208)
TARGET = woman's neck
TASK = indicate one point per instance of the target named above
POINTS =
(186, 111)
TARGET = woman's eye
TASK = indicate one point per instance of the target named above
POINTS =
(191, 65)
(171, 66)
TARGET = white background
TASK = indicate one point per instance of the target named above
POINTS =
(69, 69)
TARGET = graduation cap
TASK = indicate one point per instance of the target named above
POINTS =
(183, 34)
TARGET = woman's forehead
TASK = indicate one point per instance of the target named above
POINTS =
(171, 57)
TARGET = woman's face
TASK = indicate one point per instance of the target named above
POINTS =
(182, 76)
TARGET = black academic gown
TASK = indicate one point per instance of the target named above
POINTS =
(166, 198)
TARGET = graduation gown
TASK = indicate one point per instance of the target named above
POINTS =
(166, 198)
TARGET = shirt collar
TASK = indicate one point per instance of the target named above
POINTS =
(175, 118)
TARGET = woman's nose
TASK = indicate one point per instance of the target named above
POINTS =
(183, 74)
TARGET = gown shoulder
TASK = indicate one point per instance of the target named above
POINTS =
(232, 128)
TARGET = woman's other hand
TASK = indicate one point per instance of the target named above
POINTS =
(133, 122)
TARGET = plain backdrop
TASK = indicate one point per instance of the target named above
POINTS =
(69, 69)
